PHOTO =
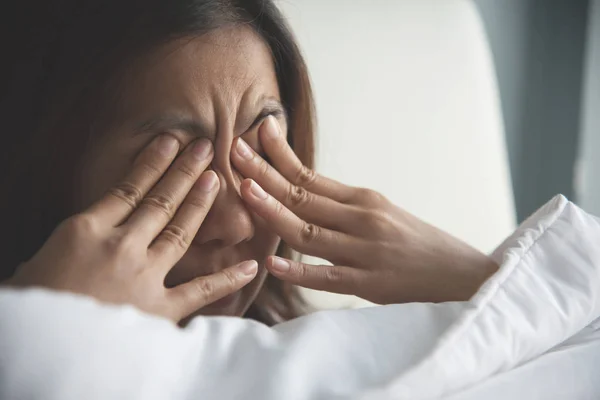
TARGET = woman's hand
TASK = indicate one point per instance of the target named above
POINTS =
(379, 251)
(123, 246)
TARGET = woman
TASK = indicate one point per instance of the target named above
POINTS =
(173, 139)
(189, 70)
(69, 72)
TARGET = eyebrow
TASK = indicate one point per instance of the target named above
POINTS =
(198, 128)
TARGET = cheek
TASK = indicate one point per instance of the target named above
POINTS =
(266, 240)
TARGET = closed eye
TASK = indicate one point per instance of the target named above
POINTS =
(275, 111)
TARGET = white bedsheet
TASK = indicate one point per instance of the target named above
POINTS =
(532, 331)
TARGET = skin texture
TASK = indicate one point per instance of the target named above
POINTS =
(379, 251)
(221, 81)
(120, 249)
(178, 226)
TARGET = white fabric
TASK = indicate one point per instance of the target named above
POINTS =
(532, 331)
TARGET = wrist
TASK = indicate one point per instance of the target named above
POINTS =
(479, 270)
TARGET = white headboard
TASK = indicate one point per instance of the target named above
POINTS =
(408, 105)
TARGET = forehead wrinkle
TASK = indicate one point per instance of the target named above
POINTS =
(221, 85)
(226, 105)
(233, 89)
(240, 115)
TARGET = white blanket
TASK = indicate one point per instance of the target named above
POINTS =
(532, 331)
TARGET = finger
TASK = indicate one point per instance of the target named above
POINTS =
(285, 160)
(309, 206)
(120, 200)
(161, 203)
(174, 240)
(336, 279)
(304, 237)
(191, 296)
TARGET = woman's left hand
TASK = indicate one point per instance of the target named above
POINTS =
(379, 252)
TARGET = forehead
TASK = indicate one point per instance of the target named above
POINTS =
(209, 77)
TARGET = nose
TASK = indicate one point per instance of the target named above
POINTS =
(228, 222)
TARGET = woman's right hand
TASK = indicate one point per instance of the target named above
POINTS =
(122, 247)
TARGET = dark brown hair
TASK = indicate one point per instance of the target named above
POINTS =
(61, 55)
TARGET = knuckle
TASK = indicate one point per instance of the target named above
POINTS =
(369, 197)
(305, 176)
(200, 202)
(301, 270)
(297, 195)
(127, 192)
(333, 275)
(187, 171)
(264, 168)
(123, 245)
(203, 287)
(82, 224)
(148, 164)
(177, 236)
(231, 278)
(376, 221)
(309, 233)
(279, 209)
(162, 202)
(121, 241)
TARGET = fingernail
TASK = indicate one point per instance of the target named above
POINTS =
(271, 127)
(279, 264)
(258, 191)
(207, 181)
(243, 149)
(249, 267)
(167, 145)
(201, 149)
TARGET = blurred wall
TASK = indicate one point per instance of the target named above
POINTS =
(588, 188)
(408, 105)
(538, 48)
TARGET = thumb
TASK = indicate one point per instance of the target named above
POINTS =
(199, 292)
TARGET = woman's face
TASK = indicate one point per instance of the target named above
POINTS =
(219, 85)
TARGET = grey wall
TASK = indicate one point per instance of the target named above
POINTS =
(538, 47)
(588, 192)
